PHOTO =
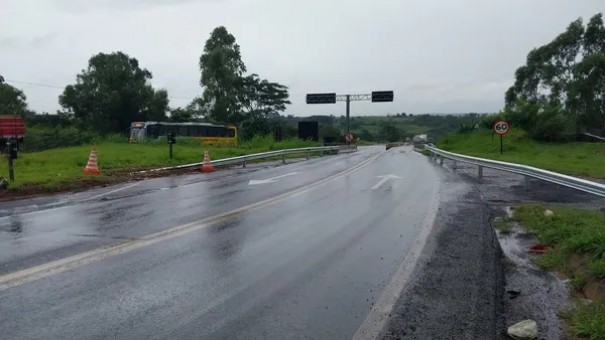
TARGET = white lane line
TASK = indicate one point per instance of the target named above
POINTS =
(378, 316)
(269, 180)
(58, 266)
(109, 192)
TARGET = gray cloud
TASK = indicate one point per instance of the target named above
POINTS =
(76, 6)
(438, 56)
(35, 42)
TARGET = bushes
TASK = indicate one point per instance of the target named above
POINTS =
(254, 127)
(489, 121)
(552, 125)
(544, 122)
(39, 139)
(45, 138)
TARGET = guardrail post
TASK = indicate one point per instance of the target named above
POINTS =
(440, 160)
(526, 183)
(321, 153)
(480, 172)
(283, 158)
(454, 164)
(307, 155)
(244, 164)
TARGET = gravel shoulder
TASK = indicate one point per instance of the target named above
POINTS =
(461, 287)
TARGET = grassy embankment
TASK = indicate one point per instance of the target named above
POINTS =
(580, 159)
(59, 169)
(576, 239)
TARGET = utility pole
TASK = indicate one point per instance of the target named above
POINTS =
(348, 108)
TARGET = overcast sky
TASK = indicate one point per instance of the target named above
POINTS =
(438, 56)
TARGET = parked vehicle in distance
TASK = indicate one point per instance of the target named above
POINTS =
(209, 133)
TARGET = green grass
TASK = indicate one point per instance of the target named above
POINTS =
(577, 239)
(588, 320)
(52, 169)
(582, 159)
(504, 225)
(597, 269)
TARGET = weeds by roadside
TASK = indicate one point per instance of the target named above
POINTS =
(574, 158)
(576, 239)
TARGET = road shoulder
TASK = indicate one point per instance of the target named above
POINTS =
(456, 289)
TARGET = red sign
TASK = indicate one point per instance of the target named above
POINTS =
(501, 127)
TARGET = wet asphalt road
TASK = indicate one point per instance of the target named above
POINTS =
(310, 262)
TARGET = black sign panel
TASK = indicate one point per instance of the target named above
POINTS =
(321, 98)
(382, 96)
(308, 130)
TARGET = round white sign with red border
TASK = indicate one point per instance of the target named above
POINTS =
(349, 137)
(501, 127)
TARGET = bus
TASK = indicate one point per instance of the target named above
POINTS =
(209, 133)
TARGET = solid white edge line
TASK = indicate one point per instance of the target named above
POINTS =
(378, 316)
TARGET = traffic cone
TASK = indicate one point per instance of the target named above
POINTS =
(92, 168)
(206, 165)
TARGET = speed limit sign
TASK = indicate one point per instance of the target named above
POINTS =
(501, 127)
(349, 137)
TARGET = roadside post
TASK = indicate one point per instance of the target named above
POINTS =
(501, 128)
(171, 142)
(13, 150)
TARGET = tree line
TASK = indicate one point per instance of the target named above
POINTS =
(560, 91)
(115, 90)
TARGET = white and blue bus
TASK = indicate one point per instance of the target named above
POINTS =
(209, 133)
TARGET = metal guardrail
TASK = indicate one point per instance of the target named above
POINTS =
(263, 155)
(525, 170)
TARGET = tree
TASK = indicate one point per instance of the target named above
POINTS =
(390, 133)
(548, 69)
(12, 100)
(366, 135)
(562, 82)
(222, 69)
(587, 94)
(113, 92)
(261, 98)
(594, 37)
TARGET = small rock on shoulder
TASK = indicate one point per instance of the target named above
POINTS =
(524, 330)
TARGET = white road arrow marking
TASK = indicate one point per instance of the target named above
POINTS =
(269, 180)
(384, 179)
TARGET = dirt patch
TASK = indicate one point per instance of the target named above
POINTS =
(108, 178)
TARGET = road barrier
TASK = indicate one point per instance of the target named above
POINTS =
(242, 160)
(525, 170)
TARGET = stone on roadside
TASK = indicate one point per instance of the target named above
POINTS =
(548, 213)
(526, 329)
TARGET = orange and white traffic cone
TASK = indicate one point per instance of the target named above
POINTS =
(206, 165)
(92, 168)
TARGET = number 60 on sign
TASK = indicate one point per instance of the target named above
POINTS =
(501, 127)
